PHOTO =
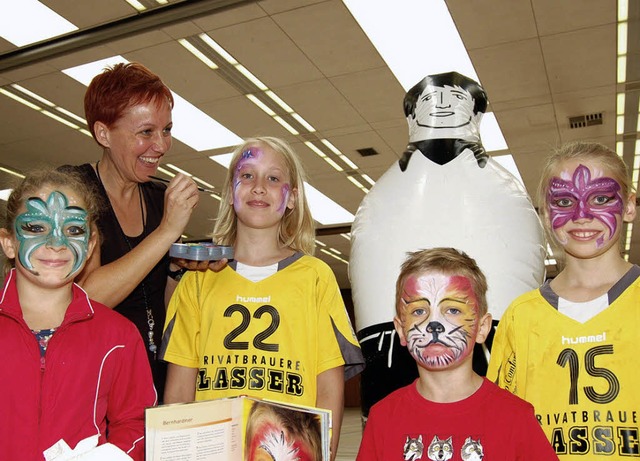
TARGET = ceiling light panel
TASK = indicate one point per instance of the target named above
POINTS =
(136, 4)
(286, 125)
(179, 170)
(11, 172)
(36, 102)
(385, 23)
(197, 53)
(43, 22)
(143, 5)
(268, 101)
(334, 256)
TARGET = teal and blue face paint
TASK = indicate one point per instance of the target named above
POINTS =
(53, 223)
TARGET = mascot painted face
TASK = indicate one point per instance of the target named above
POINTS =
(445, 191)
(445, 106)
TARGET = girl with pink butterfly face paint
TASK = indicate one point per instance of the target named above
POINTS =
(585, 200)
(589, 201)
(569, 346)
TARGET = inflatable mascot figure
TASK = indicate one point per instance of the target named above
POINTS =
(445, 191)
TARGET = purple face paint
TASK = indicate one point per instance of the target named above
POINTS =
(585, 198)
(262, 169)
(250, 153)
(247, 155)
(286, 189)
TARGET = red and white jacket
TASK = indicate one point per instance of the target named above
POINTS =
(93, 379)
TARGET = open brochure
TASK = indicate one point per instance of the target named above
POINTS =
(237, 429)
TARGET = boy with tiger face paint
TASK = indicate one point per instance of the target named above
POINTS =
(439, 319)
(441, 312)
(441, 308)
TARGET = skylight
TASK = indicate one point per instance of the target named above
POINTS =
(491, 134)
(414, 48)
(410, 36)
(219, 60)
(190, 125)
(43, 22)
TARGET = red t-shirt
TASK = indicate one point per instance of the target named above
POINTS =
(492, 423)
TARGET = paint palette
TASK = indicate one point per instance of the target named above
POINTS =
(200, 251)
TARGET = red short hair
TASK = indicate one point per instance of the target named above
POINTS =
(119, 87)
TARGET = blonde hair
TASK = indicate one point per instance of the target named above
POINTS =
(297, 229)
(448, 261)
(595, 152)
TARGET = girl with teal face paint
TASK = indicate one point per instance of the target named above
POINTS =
(53, 223)
(50, 226)
(57, 345)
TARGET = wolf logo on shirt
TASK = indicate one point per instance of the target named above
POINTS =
(472, 450)
(440, 449)
(413, 449)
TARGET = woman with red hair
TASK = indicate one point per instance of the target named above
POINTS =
(128, 111)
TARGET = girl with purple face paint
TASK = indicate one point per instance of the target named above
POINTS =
(74, 372)
(272, 324)
(569, 347)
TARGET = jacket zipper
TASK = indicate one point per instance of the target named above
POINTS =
(42, 368)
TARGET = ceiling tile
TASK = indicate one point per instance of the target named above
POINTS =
(230, 16)
(89, 13)
(553, 17)
(511, 71)
(279, 6)
(582, 59)
(328, 109)
(182, 30)
(139, 42)
(243, 118)
(503, 21)
(375, 93)
(527, 126)
(184, 73)
(329, 36)
(262, 47)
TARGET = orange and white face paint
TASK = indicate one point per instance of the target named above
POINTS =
(439, 319)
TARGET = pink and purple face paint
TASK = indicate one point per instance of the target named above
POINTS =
(251, 155)
(584, 197)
